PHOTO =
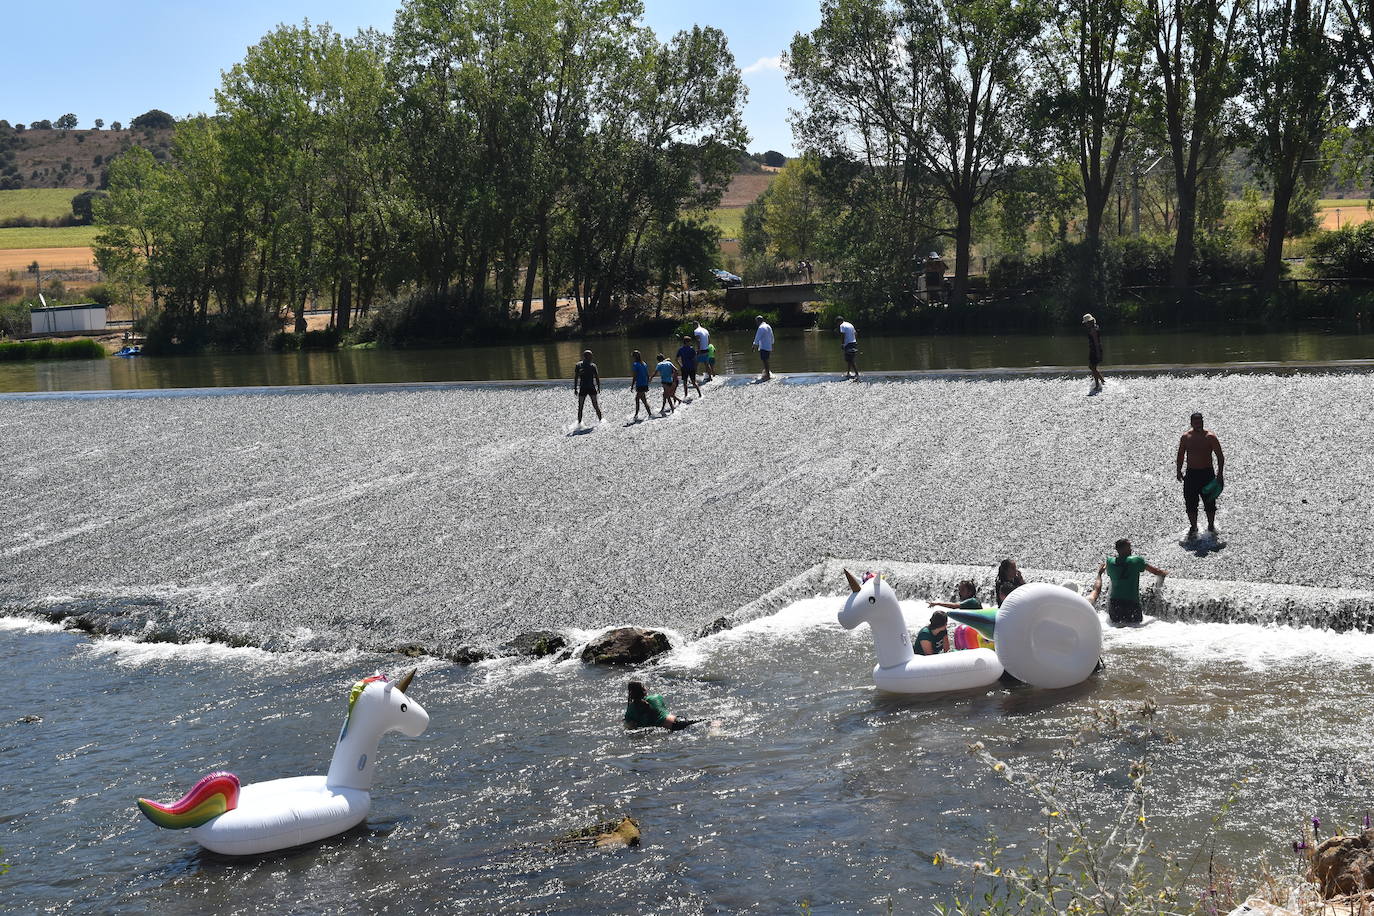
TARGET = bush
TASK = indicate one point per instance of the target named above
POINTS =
(1345, 252)
(101, 294)
(155, 119)
(82, 348)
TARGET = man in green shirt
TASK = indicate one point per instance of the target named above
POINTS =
(1124, 570)
(646, 710)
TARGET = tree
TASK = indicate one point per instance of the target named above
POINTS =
(1089, 59)
(774, 158)
(153, 119)
(1195, 79)
(99, 123)
(930, 91)
(1294, 79)
(793, 209)
(116, 126)
(83, 207)
(66, 122)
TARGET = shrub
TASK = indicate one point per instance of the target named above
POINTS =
(101, 294)
(1345, 252)
(81, 348)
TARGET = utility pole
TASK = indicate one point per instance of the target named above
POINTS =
(1135, 200)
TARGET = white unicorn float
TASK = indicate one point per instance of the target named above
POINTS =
(1045, 635)
(281, 813)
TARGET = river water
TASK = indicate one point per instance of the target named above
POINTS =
(254, 553)
(796, 351)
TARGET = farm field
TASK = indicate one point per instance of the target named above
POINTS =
(63, 237)
(729, 220)
(48, 258)
(1353, 211)
(37, 203)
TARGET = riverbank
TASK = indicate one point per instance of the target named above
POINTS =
(466, 515)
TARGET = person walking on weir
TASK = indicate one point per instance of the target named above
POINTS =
(687, 359)
(1094, 350)
(667, 374)
(704, 361)
(763, 342)
(639, 381)
(586, 384)
(849, 340)
(1196, 448)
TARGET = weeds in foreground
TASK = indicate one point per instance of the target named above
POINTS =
(1119, 869)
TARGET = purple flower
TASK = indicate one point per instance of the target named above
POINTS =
(1316, 823)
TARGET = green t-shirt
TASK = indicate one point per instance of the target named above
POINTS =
(970, 604)
(654, 715)
(1125, 576)
(936, 642)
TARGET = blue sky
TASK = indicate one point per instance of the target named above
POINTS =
(107, 60)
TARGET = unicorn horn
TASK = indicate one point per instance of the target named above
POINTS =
(404, 683)
(853, 583)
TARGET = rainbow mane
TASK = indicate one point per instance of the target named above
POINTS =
(208, 799)
(353, 694)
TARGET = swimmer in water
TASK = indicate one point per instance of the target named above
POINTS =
(933, 638)
(650, 710)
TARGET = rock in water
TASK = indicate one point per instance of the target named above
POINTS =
(537, 644)
(1345, 864)
(625, 646)
(719, 625)
(624, 832)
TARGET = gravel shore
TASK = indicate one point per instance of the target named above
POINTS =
(469, 514)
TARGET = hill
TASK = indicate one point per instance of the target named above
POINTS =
(73, 158)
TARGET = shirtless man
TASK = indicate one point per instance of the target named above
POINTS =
(1197, 447)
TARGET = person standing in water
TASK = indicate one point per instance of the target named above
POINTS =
(687, 359)
(639, 381)
(650, 710)
(763, 342)
(586, 384)
(704, 361)
(1196, 447)
(933, 637)
(1124, 570)
(1094, 350)
(849, 340)
(1009, 579)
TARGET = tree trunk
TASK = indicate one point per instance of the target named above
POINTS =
(536, 256)
(1278, 228)
(1181, 274)
(345, 307)
(550, 297)
(963, 244)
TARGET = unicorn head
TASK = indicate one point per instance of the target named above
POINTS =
(875, 603)
(376, 706)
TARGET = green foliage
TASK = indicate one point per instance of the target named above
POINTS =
(154, 119)
(101, 294)
(82, 348)
(327, 339)
(1345, 252)
(67, 122)
(83, 207)
(774, 158)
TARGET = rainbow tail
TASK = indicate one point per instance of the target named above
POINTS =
(208, 799)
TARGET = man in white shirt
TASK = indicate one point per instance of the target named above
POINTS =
(849, 339)
(763, 342)
(703, 337)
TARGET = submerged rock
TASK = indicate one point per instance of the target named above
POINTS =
(537, 643)
(624, 832)
(465, 655)
(625, 646)
(719, 625)
(1345, 864)
(410, 650)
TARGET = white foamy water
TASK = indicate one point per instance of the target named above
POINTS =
(28, 625)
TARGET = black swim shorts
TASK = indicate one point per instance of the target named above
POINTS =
(1123, 611)
(1194, 479)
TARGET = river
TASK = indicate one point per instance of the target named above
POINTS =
(796, 352)
(253, 553)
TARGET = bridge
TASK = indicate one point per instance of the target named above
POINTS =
(782, 296)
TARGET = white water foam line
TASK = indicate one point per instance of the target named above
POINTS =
(28, 625)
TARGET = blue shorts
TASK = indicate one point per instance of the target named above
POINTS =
(765, 353)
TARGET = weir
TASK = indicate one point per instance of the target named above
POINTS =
(443, 517)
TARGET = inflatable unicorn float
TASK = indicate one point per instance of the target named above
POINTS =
(1045, 635)
(236, 820)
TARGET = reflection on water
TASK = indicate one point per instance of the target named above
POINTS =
(797, 351)
(814, 788)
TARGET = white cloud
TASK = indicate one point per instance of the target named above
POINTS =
(764, 63)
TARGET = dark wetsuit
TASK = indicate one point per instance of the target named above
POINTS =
(1094, 347)
(585, 379)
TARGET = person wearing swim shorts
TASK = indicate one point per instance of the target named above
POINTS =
(639, 381)
(687, 359)
(1124, 570)
(650, 710)
(763, 342)
(849, 340)
(1196, 448)
(667, 374)
(1094, 350)
(704, 350)
(933, 638)
(586, 384)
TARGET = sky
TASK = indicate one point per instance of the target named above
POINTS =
(114, 61)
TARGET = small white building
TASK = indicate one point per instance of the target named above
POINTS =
(63, 319)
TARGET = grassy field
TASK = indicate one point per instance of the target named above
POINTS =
(65, 237)
(37, 203)
(728, 220)
(1330, 203)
